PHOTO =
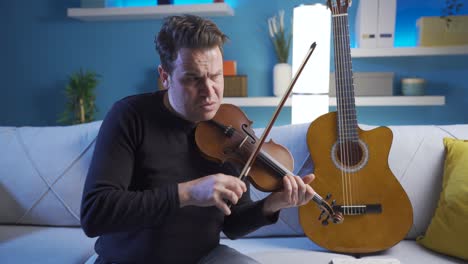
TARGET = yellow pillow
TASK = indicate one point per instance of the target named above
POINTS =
(448, 230)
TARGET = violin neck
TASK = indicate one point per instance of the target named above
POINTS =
(279, 170)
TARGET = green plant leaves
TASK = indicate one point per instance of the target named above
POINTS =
(80, 95)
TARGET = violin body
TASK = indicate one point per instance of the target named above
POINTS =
(228, 137)
(372, 183)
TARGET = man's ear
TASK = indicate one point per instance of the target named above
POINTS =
(163, 77)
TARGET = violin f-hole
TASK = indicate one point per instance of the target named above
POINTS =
(249, 133)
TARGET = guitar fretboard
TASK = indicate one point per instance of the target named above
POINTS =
(346, 107)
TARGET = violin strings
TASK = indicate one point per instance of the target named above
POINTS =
(268, 160)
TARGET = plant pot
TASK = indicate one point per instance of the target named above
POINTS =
(282, 74)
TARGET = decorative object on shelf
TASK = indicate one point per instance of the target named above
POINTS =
(218, 1)
(281, 39)
(235, 86)
(229, 67)
(375, 23)
(434, 31)
(368, 84)
(80, 106)
(412, 86)
(282, 73)
(451, 8)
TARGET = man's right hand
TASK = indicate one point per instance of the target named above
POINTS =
(212, 190)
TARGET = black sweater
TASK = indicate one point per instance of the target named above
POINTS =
(130, 198)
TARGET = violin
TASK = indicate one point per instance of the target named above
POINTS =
(229, 137)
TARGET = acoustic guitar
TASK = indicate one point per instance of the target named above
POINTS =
(351, 168)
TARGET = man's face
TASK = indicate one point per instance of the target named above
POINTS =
(196, 85)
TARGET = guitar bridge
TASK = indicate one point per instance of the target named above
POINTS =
(358, 209)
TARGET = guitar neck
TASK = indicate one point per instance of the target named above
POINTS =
(346, 107)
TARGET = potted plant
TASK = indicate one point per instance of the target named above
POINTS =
(80, 106)
(452, 7)
(281, 40)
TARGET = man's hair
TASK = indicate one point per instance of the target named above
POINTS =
(186, 31)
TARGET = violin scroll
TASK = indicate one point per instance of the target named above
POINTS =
(327, 211)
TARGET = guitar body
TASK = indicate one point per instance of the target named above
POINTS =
(377, 212)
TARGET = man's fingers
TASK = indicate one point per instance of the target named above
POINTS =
(309, 193)
(236, 185)
(293, 196)
(287, 188)
(221, 205)
(308, 178)
(301, 189)
(230, 196)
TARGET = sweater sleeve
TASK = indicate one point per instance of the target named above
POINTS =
(108, 205)
(246, 216)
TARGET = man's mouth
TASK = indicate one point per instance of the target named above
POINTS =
(209, 105)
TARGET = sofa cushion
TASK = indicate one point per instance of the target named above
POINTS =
(300, 250)
(42, 173)
(293, 137)
(448, 232)
(282, 250)
(416, 159)
(53, 245)
(408, 251)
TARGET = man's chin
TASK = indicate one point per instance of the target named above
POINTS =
(205, 116)
(209, 115)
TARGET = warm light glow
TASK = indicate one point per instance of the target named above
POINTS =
(311, 23)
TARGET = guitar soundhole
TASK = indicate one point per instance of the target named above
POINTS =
(349, 153)
(350, 156)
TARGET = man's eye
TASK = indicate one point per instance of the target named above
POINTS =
(216, 76)
(192, 79)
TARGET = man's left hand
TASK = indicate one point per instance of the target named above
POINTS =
(296, 192)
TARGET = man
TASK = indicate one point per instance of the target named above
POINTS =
(149, 194)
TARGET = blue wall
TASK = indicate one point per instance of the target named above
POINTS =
(40, 47)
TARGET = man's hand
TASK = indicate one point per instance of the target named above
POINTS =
(212, 190)
(296, 192)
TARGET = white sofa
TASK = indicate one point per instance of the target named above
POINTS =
(42, 171)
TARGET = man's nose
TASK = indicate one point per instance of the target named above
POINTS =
(207, 87)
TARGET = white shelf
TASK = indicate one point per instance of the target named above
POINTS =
(148, 12)
(360, 101)
(407, 52)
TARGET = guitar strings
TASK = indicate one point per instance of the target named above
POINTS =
(344, 110)
(353, 147)
(339, 98)
(348, 114)
(348, 139)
